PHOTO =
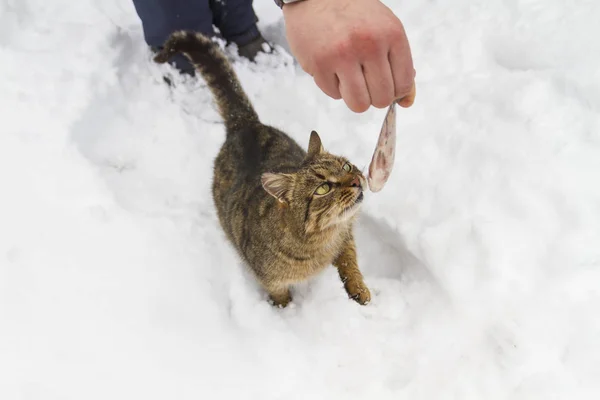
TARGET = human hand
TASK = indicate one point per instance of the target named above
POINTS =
(354, 49)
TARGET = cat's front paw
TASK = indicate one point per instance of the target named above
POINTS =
(280, 300)
(358, 291)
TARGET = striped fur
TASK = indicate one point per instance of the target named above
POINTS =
(264, 188)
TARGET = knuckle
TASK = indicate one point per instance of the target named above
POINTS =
(341, 50)
(318, 63)
(396, 32)
(366, 40)
(362, 35)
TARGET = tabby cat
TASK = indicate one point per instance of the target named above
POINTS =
(288, 212)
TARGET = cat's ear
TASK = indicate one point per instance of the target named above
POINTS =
(314, 145)
(278, 185)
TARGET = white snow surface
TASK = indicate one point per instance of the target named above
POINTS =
(482, 252)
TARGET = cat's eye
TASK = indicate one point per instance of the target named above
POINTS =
(323, 189)
(347, 167)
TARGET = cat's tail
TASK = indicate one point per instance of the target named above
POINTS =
(234, 106)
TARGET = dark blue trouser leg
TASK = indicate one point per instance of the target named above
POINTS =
(234, 18)
(160, 18)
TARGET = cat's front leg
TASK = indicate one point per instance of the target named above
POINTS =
(350, 275)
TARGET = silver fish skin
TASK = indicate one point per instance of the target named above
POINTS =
(382, 161)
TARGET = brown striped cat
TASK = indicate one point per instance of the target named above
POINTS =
(288, 212)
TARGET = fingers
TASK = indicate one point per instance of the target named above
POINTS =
(380, 82)
(329, 83)
(353, 87)
(409, 99)
(403, 74)
(362, 87)
(364, 72)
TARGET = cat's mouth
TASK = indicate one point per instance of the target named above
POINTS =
(355, 203)
(360, 198)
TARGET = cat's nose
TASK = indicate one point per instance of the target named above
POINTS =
(355, 182)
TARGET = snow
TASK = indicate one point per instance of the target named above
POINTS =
(482, 252)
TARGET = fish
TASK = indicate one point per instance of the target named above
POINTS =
(384, 155)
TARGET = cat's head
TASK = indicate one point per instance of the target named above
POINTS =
(325, 192)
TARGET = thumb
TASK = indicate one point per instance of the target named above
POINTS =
(409, 99)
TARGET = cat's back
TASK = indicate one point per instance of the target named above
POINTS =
(237, 190)
(256, 149)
